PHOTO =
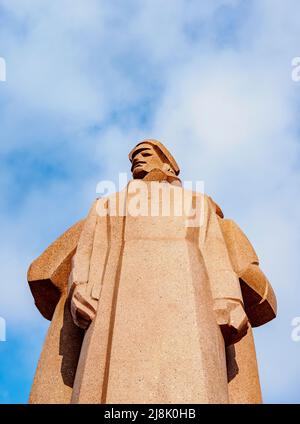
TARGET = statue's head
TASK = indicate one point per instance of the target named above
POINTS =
(151, 155)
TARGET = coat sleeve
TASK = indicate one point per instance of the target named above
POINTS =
(82, 258)
(258, 295)
(224, 282)
(48, 274)
(65, 261)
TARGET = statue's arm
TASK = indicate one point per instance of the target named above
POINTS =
(224, 282)
(83, 305)
(258, 295)
(48, 274)
(63, 268)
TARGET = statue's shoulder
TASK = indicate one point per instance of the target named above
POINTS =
(216, 207)
(209, 201)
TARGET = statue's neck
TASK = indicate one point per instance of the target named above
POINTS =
(160, 176)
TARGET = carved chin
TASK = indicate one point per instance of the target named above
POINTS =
(139, 172)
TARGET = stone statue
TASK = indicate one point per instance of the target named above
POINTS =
(152, 298)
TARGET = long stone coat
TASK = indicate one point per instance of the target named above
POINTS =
(154, 338)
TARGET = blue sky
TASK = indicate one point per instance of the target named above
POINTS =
(88, 79)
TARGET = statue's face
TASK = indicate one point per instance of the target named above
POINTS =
(144, 160)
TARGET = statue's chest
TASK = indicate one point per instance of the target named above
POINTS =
(158, 211)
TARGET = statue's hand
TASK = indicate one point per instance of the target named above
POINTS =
(83, 307)
(232, 319)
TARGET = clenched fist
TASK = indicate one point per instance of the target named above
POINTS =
(232, 319)
(83, 306)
